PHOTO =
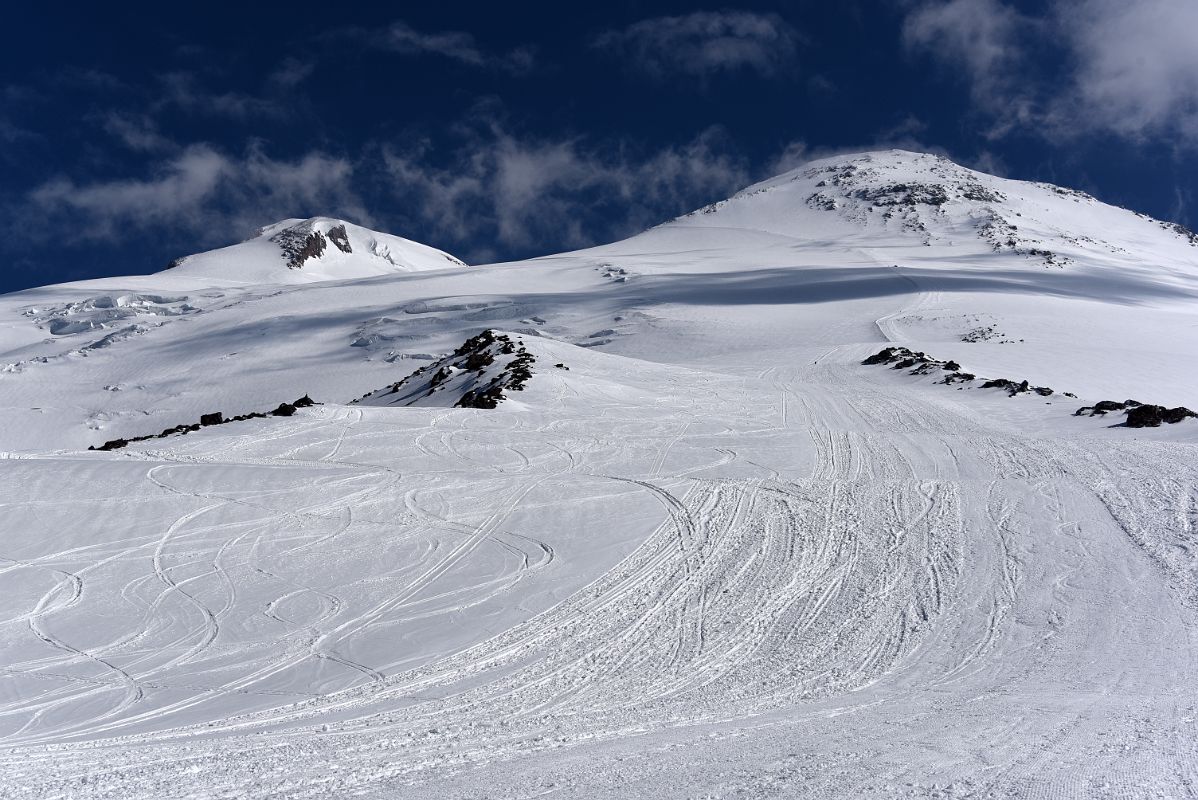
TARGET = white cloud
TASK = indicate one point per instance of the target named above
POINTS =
(292, 72)
(705, 43)
(401, 38)
(980, 34)
(796, 153)
(183, 90)
(199, 191)
(457, 45)
(279, 96)
(1130, 69)
(136, 132)
(987, 41)
(559, 193)
(14, 133)
(792, 156)
(1136, 64)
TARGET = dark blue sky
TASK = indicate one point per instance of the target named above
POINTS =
(133, 133)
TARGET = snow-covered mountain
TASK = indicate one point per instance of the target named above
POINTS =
(309, 250)
(891, 201)
(786, 497)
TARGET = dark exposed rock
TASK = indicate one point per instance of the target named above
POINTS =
(485, 398)
(475, 343)
(562, 366)
(1150, 416)
(1145, 417)
(1139, 415)
(480, 360)
(1181, 231)
(311, 246)
(922, 363)
(339, 238)
(208, 420)
(904, 194)
(902, 358)
(1100, 408)
(882, 356)
(479, 372)
(1175, 415)
(975, 191)
(821, 201)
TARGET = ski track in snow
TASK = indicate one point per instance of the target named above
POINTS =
(716, 557)
(995, 610)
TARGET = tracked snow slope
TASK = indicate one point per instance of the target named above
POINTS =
(641, 580)
(716, 556)
(309, 250)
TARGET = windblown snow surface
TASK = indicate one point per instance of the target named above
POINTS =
(711, 554)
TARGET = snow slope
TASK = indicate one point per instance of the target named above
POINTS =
(710, 554)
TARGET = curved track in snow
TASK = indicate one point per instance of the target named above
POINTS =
(866, 587)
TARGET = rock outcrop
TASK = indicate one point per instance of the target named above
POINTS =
(208, 420)
(478, 374)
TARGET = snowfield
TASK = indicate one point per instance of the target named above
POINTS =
(702, 551)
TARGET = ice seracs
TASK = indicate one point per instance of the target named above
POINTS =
(315, 249)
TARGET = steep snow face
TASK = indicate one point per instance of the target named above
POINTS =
(316, 249)
(889, 201)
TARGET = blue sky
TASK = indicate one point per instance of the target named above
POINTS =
(134, 133)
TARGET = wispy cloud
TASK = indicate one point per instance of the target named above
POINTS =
(987, 42)
(1128, 69)
(291, 73)
(1136, 63)
(705, 43)
(210, 195)
(184, 90)
(902, 136)
(524, 192)
(14, 133)
(401, 38)
(137, 132)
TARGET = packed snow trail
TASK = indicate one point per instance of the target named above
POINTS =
(876, 593)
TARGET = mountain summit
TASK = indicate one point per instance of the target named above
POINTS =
(892, 200)
(314, 249)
